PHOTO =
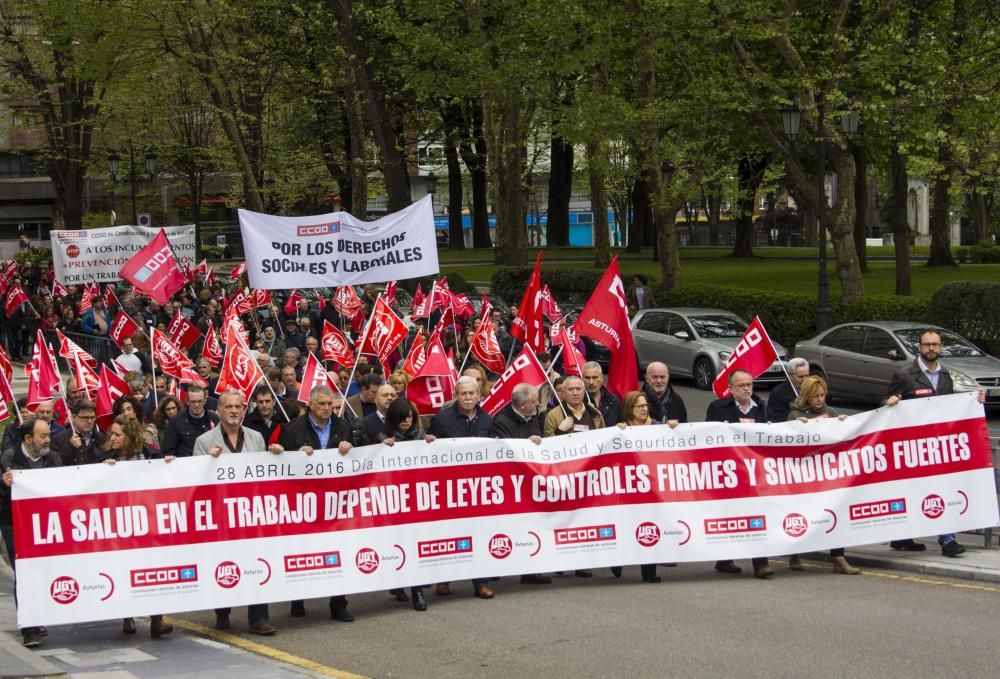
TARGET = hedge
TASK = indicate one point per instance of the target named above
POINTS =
(567, 286)
(972, 309)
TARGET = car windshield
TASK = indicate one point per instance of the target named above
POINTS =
(718, 326)
(952, 345)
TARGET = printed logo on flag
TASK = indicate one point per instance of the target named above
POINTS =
(647, 534)
(432, 549)
(64, 590)
(366, 560)
(730, 525)
(795, 525)
(873, 510)
(933, 506)
(166, 575)
(501, 546)
(312, 562)
(584, 534)
(227, 574)
(317, 229)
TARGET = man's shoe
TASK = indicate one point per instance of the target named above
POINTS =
(908, 545)
(795, 563)
(158, 628)
(616, 571)
(298, 609)
(952, 549)
(536, 579)
(31, 639)
(399, 595)
(728, 566)
(264, 629)
(484, 592)
(339, 612)
(762, 572)
(583, 573)
(653, 579)
(222, 621)
(43, 631)
(841, 566)
(419, 603)
(442, 589)
(128, 626)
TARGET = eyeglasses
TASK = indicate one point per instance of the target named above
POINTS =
(743, 385)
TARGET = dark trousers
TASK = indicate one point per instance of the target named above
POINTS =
(335, 602)
(255, 613)
(8, 542)
(839, 551)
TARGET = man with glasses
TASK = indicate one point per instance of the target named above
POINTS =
(79, 447)
(741, 406)
(925, 377)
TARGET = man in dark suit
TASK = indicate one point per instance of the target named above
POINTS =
(374, 424)
(925, 377)
(781, 397)
(319, 429)
(742, 405)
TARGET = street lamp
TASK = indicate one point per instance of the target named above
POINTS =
(151, 164)
(113, 160)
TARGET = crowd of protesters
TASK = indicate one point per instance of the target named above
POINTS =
(161, 419)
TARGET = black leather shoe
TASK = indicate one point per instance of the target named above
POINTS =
(908, 545)
(616, 571)
(298, 609)
(653, 579)
(399, 595)
(583, 573)
(222, 621)
(728, 567)
(536, 579)
(43, 631)
(952, 549)
(419, 603)
(339, 612)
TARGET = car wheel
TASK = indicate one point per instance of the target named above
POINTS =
(703, 373)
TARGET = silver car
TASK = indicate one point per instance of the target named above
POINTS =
(858, 360)
(694, 343)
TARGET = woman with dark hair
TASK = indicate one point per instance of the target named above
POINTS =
(167, 408)
(125, 444)
(402, 423)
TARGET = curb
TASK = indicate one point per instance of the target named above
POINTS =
(959, 571)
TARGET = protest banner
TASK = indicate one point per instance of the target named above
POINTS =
(99, 542)
(338, 249)
(99, 254)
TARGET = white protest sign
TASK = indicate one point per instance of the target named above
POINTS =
(99, 254)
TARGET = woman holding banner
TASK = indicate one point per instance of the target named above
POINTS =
(810, 405)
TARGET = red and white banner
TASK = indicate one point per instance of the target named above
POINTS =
(100, 254)
(99, 542)
(754, 354)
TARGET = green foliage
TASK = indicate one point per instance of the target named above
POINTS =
(970, 308)
(986, 252)
(569, 286)
(36, 255)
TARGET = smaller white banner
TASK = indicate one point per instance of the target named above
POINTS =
(98, 255)
(337, 249)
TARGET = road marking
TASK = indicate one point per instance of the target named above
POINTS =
(980, 587)
(261, 649)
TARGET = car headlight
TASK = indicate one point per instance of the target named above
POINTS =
(963, 382)
(724, 355)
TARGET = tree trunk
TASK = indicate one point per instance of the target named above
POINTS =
(713, 208)
(597, 159)
(451, 118)
(899, 218)
(940, 227)
(560, 190)
(840, 223)
(474, 154)
(750, 174)
(641, 216)
(357, 161)
(508, 131)
(860, 206)
(976, 205)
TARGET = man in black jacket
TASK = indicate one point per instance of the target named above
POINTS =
(78, 445)
(186, 426)
(265, 417)
(373, 424)
(600, 397)
(32, 452)
(741, 406)
(665, 404)
(781, 397)
(319, 429)
(925, 377)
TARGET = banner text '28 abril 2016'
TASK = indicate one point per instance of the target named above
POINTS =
(102, 542)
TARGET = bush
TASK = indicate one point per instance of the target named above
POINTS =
(970, 308)
(568, 286)
(984, 252)
(39, 256)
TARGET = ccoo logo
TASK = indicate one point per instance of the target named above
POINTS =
(64, 590)
(933, 506)
(227, 574)
(366, 560)
(795, 525)
(647, 534)
(501, 546)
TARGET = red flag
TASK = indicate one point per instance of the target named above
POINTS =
(605, 319)
(43, 379)
(572, 359)
(335, 346)
(386, 331)
(550, 309)
(86, 379)
(292, 302)
(239, 369)
(242, 303)
(238, 270)
(525, 368)
(171, 360)
(528, 327)
(433, 385)
(15, 298)
(462, 306)
(154, 270)
(201, 267)
(390, 292)
(6, 396)
(123, 327)
(313, 375)
(415, 359)
(182, 332)
(210, 278)
(8, 271)
(69, 349)
(111, 388)
(556, 336)
(346, 301)
(320, 302)
(358, 322)
(485, 347)
(5, 365)
(439, 296)
(109, 296)
(211, 350)
(232, 321)
(754, 354)
(418, 297)
(58, 289)
(261, 298)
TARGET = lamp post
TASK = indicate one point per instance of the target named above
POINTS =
(113, 160)
(133, 176)
(791, 118)
(432, 184)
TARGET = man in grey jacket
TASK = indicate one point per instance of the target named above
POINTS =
(232, 437)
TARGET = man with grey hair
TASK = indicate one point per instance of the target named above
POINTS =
(232, 437)
(185, 427)
(519, 419)
(578, 415)
(781, 397)
(292, 355)
(463, 418)
(319, 429)
(599, 396)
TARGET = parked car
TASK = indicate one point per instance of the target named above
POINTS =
(695, 343)
(858, 360)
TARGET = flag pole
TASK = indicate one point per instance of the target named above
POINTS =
(783, 364)
(152, 367)
(10, 390)
(553, 387)
(354, 368)
(62, 388)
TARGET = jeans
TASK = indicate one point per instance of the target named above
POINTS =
(946, 538)
(255, 613)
